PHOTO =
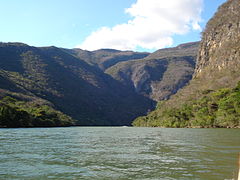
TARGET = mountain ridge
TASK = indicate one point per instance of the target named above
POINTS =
(73, 86)
(160, 74)
(77, 83)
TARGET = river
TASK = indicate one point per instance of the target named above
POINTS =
(119, 153)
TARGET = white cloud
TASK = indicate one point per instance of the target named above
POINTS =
(153, 24)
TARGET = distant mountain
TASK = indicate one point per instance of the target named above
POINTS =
(71, 85)
(160, 74)
(105, 58)
(182, 50)
(212, 98)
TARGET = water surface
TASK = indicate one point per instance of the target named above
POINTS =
(119, 153)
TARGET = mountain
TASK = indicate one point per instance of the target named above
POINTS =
(103, 87)
(218, 58)
(212, 98)
(69, 84)
(160, 74)
(105, 58)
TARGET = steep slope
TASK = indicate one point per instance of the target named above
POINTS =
(220, 48)
(70, 84)
(212, 98)
(160, 74)
(15, 113)
(105, 58)
(219, 53)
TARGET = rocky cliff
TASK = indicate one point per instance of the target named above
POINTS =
(212, 98)
(218, 59)
(219, 54)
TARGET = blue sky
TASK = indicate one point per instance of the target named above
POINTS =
(143, 25)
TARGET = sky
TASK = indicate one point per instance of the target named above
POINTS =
(138, 25)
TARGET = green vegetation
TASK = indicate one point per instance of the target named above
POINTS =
(67, 81)
(15, 113)
(220, 108)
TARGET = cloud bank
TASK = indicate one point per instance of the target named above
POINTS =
(152, 26)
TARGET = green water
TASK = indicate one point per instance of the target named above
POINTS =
(119, 153)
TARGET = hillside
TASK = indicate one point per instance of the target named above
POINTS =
(105, 58)
(73, 81)
(160, 74)
(71, 85)
(15, 113)
(212, 97)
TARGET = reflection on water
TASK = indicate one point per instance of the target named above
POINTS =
(118, 153)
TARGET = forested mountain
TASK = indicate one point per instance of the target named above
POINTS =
(105, 58)
(70, 84)
(85, 85)
(160, 74)
(212, 98)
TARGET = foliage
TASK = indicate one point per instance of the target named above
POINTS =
(219, 108)
(14, 113)
(67, 81)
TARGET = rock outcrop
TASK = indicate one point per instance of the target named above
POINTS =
(219, 52)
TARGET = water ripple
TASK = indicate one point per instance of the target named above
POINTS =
(118, 153)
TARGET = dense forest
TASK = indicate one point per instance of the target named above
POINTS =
(220, 108)
(15, 113)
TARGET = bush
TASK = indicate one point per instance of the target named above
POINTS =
(14, 113)
(219, 108)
